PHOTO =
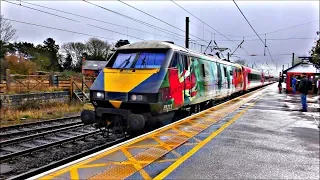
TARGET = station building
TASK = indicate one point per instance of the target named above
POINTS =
(312, 72)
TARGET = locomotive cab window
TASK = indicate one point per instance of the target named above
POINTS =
(138, 59)
(174, 61)
(124, 60)
(150, 60)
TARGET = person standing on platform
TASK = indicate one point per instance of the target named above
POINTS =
(294, 82)
(303, 89)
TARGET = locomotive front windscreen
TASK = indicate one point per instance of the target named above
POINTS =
(137, 60)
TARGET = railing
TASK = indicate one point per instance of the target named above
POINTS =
(79, 91)
(16, 83)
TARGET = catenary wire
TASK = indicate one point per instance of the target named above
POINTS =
(131, 18)
(211, 27)
(59, 29)
(254, 31)
(73, 20)
(160, 20)
(106, 22)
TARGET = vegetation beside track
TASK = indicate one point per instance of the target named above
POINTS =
(34, 112)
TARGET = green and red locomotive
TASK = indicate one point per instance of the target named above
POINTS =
(152, 82)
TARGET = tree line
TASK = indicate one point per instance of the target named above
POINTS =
(24, 57)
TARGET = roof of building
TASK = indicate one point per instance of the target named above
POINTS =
(302, 67)
(94, 64)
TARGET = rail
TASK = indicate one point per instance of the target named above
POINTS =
(43, 125)
(44, 145)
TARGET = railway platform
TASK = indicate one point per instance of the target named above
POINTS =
(261, 134)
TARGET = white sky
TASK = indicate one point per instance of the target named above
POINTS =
(264, 16)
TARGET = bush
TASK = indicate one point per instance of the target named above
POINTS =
(20, 66)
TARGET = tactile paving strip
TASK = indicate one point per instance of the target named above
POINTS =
(133, 157)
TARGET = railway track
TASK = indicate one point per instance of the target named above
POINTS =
(25, 156)
(12, 132)
(28, 144)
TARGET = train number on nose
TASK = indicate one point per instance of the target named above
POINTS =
(167, 107)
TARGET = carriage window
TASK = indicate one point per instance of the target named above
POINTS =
(150, 60)
(225, 71)
(203, 71)
(185, 62)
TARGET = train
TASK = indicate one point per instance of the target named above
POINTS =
(148, 83)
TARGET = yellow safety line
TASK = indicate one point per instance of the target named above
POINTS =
(173, 166)
(98, 156)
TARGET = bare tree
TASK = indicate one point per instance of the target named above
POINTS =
(7, 32)
(75, 49)
(98, 49)
(241, 62)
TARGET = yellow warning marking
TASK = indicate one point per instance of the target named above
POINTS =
(116, 104)
(125, 81)
(182, 132)
(95, 165)
(167, 147)
(144, 146)
(195, 124)
(138, 167)
(74, 173)
(171, 134)
(156, 132)
(173, 166)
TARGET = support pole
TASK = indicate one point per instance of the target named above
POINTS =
(187, 32)
(265, 44)
(292, 59)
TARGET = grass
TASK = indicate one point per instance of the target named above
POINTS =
(46, 89)
(41, 112)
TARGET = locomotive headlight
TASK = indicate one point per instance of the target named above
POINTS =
(139, 97)
(98, 95)
(133, 97)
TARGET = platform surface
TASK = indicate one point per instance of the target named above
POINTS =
(259, 135)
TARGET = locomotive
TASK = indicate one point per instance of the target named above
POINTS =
(151, 82)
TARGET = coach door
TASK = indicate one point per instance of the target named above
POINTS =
(188, 78)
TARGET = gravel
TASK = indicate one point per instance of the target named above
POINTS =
(41, 158)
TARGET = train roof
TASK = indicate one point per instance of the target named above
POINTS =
(152, 44)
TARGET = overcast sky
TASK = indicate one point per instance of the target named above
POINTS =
(223, 16)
